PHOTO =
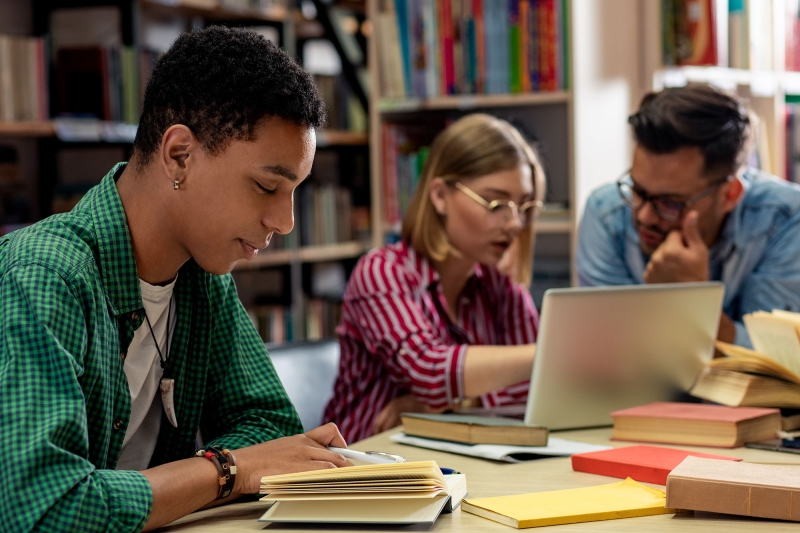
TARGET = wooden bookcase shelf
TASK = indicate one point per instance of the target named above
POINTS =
(43, 128)
(212, 10)
(306, 254)
(467, 102)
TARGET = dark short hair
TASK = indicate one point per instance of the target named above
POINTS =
(701, 116)
(220, 82)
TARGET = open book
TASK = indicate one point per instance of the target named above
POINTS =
(401, 493)
(768, 376)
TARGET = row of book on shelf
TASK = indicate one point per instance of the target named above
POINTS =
(276, 324)
(324, 215)
(23, 79)
(429, 48)
(728, 33)
(405, 149)
(344, 110)
(105, 82)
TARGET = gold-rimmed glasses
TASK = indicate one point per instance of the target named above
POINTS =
(501, 211)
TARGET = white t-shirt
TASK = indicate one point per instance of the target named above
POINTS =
(143, 370)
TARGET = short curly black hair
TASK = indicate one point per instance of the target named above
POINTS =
(220, 82)
(702, 116)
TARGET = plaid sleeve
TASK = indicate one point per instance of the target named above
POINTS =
(43, 418)
(247, 403)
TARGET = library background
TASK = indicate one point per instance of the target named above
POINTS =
(567, 73)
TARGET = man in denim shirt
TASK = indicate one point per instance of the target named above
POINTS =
(688, 210)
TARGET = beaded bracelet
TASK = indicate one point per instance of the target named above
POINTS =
(223, 460)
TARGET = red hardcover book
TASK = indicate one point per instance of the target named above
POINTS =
(696, 424)
(650, 464)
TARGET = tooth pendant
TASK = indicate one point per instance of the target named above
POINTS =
(167, 390)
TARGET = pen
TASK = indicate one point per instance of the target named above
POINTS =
(369, 457)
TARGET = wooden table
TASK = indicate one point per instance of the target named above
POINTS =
(488, 478)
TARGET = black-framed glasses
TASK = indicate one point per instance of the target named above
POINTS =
(665, 206)
(501, 211)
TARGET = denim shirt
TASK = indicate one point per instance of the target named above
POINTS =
(756, 256)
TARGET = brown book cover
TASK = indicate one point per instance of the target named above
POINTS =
(765, 491)
(471, 429)
(695, 424)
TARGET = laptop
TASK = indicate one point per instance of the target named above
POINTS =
(601, 349)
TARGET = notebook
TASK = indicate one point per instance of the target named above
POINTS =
(625, 499)
(396, 494)
(650, 464)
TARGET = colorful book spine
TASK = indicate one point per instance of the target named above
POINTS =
(477, 47)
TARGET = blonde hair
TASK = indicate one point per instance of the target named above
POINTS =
(473, 146)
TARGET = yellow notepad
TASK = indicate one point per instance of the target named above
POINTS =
(624, 499)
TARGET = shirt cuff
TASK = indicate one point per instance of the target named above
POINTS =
(741, 338)
(454, 377)
(129, 498)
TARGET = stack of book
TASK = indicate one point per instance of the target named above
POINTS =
(768, 376)
(431, 48)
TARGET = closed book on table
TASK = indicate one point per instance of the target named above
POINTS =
(650, 464)
(625, 499)
(472, 429)
(764, 491)
(396, 494)
(695, 424)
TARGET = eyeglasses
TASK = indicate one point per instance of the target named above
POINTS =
(665, 207)
(501, 211)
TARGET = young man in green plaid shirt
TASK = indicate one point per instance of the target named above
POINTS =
(100, 305)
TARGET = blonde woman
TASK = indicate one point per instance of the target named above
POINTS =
(431, 323)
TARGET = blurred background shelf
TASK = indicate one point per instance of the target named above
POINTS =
(306, 254)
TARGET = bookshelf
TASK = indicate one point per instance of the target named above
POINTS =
(579, 126)
(765, 75)
(47, 145)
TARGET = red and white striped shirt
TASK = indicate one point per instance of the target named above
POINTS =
(396, 337)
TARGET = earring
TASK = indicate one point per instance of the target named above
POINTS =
(175, 185)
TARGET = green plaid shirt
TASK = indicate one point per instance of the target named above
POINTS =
(70, 302)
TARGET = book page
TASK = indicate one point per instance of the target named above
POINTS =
(775, 338)
(741, 359)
